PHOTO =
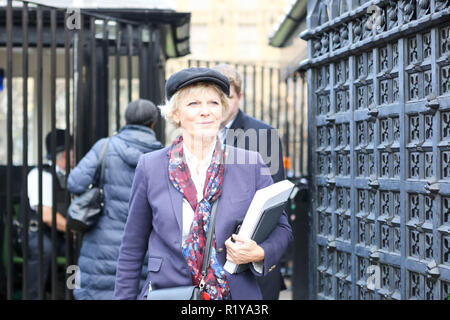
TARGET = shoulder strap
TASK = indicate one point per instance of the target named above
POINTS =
(209, 239)
(102, 163)
(99, 170)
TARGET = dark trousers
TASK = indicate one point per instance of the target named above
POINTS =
(33, 260)
(271, 284)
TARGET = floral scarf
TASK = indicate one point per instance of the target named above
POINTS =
(216, 286)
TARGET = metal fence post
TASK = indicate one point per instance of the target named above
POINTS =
(9, 207)
(25, 222)
(39, 79)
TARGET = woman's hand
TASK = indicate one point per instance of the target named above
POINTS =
(243, 250)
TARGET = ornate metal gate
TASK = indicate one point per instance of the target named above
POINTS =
(379, 127)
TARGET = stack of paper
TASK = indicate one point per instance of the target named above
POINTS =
(263, 215)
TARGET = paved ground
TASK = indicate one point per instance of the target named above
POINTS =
(286, 294)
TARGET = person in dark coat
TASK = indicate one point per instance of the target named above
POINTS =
(100, 248)
(243, 131)
(48, 190)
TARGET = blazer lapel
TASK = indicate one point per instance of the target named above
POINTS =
(176, 199)
(237, 124)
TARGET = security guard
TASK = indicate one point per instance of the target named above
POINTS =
(47, 204)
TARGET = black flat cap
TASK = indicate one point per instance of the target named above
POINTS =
(189, 76)
(60, 142)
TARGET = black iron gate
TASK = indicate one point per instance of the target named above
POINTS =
(379, 128)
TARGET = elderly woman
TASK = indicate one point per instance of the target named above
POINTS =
(173, 193)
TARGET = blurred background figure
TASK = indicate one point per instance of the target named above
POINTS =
(47, 207)
(233, 132)
(100, 247)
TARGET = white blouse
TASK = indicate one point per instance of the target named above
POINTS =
(198, 178)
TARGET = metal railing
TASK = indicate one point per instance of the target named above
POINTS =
(74, 45)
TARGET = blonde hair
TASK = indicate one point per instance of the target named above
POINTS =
(171, 106)
(232, 74)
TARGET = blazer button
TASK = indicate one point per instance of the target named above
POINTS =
(220, 250)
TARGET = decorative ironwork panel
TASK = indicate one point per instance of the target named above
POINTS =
(379, 76)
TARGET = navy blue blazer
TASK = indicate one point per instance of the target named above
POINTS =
(269, 152)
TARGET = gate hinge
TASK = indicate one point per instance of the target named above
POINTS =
(374, 254)
(432, 186)
(374, 184)
(447, 57)
(387, 73)
(419, 225)
(432, 102)
(389, 220)
(419, 145)
(373, 112)
(417, 67)
(330, 118)
(388, 147)
(331, 245)
(388, 295)
(331, 182)
(364, 149)
(433, 270)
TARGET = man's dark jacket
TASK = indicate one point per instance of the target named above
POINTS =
(245, 122)
(271, 284)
